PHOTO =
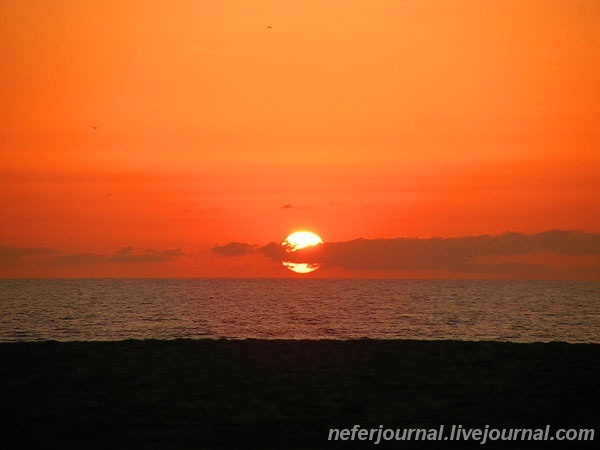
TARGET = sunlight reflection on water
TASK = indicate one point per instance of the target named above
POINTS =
(115, 309)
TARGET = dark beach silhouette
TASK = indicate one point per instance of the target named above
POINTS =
(286, 394)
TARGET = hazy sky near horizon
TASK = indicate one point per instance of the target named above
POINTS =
(136, 137)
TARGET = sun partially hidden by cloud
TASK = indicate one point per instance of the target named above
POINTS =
(301, 240)
(576, 253)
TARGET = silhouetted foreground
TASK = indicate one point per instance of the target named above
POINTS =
(286, 394)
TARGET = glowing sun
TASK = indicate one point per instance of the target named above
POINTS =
(297, 241)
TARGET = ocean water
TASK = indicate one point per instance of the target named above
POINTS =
(116, 309)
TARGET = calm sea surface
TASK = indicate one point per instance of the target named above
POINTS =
(109, 309)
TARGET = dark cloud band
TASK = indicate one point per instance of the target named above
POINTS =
(461, 254)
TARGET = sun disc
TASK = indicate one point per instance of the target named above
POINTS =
(299, 240)
(301, 267)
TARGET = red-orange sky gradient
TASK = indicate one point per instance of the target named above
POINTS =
(136, 137)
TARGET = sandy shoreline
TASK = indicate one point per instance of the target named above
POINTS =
(286, 394)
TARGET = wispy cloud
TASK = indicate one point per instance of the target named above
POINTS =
(150, 255)
(234, 249)
(18, 254)
(291, 206)
(50, 256)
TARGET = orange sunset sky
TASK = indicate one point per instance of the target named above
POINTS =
(140, 138)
